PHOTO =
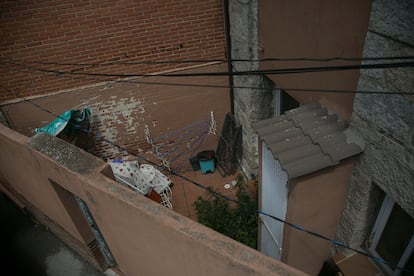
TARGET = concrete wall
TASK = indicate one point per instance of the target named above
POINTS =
(386, 122)
(315, 202)
(90, 32)
(250, 105)
(144, 237)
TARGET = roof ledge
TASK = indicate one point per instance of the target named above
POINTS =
(309, 138)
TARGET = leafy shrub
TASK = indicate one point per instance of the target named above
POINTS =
(238, 223)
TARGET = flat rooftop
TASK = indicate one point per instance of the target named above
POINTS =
(123, 109)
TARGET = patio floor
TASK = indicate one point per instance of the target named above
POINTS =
(185, 193)
(171, 107)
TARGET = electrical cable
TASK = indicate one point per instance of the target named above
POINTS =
(245, 3)
(295, 70)
(293, 89)
(293, 59)
(216, 194)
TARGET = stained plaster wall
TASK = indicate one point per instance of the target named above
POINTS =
(314, 29)
(386, 122)
(315, 202)
(144, 237)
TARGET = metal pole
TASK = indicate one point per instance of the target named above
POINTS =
(228, 53)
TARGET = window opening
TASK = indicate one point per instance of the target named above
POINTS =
(393, 237)
(284, 102)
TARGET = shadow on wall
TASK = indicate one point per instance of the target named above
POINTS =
(28, 248)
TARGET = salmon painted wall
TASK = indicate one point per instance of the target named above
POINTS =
(144, 237)
(20, 168)
(315, 202)
(314, 29)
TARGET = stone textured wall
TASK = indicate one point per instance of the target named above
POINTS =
(386, 122)
(250, 105)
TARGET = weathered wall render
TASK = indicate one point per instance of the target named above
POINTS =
(386, 122)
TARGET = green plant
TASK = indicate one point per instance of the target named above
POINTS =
(239, 222)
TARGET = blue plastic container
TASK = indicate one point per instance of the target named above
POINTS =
(207, 161)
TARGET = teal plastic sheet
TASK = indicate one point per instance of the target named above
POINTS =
(70, 123)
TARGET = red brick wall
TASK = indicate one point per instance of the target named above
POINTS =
(95, 31)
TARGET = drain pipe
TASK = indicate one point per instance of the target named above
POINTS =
(228, 53)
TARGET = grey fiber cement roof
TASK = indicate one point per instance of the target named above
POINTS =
(308, 139)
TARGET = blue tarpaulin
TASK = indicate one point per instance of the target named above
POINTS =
(72, 122)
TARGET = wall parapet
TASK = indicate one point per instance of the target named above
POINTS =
(144, 237)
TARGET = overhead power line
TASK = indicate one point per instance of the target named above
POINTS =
(184, 61)
(289, 89)
(216, 194)
(281, 71)
(294, 89)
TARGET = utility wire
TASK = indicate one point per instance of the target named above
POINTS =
(216, 194)
(296, 70)
(310, 90)
(293, 89)
(245, 3)
(184, 61)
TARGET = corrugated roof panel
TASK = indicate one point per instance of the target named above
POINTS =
(337, 153)
(332, 139)
(307, 139)
(318, 122)
(290, 143)
(298, 153)
(270, 121)
(273, 128)
(279, 136)
(319, 133)
(308, 115)
(308, 165)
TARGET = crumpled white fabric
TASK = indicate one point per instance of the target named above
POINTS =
(139, 177)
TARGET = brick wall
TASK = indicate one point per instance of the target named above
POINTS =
(120, 113)
(82, 31)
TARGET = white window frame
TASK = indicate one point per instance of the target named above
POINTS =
(377, 231)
